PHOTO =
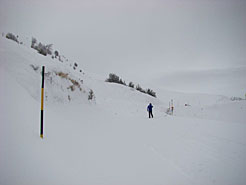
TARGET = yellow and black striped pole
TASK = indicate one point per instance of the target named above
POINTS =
(42, 106)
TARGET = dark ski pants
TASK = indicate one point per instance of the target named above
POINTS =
(150, 114)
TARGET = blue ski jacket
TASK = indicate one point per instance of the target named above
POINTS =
(149, 108)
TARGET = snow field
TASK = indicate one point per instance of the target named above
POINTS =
(111, 140)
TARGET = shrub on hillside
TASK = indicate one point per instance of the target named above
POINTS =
(75, 83)
(122, 82)
(139, 88)
(75, 65)
(131, 85)
(41, 48)
(113, 78)
(34, 42)
(71, 87)
(236, 98)
(12, 37)
(56, 53)
(91, 95)
(151, 92)
(62, 75)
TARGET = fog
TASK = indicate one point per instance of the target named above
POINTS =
(137, 39)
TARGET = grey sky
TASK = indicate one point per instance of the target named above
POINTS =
(134, 38)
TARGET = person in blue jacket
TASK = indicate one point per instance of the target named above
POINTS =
(149, 109)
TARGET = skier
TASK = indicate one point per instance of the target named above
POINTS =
(149, 109)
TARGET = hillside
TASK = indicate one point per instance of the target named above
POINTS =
(110, 140)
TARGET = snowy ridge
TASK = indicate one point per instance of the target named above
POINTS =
(64, 84)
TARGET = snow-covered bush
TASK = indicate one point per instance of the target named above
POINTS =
(148, 91)
(236, 98)
(56, 53)
(131, 85)
(12, 37)
(41, 48)
(113, 78)
(139, 88)
(151, 92)
(62, 74)
(34, 42)
(73, 81)
(91, 95)
(122, 82)
(75, 65)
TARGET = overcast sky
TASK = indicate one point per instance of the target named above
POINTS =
(135, 38)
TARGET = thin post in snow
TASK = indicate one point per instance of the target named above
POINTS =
(42, 105)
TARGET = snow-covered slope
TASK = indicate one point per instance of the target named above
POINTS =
(110, 140)
(25, 65)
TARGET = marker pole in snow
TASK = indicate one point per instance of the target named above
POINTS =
(42, 106)
(172, 106)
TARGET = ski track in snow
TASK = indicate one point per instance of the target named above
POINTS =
(170, 162)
